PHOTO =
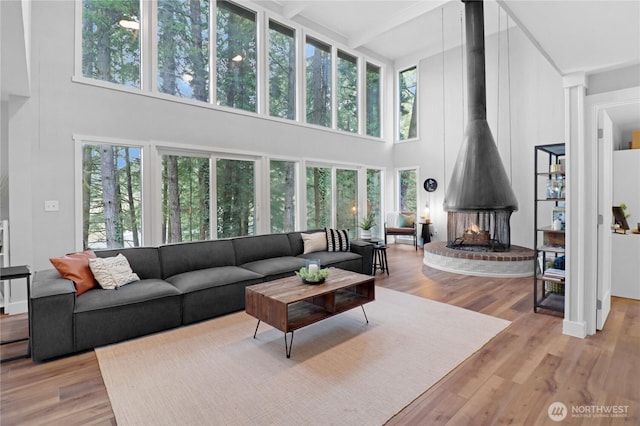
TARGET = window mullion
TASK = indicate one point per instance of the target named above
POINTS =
(213, 78)
(262, 42)
(362, 88)
(334, 87)
(301, 70)
(150, 34)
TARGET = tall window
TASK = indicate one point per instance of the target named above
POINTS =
(347, 95)
(347, 200)
(183, 55)
(236, 63)
(373, 100)
(283, 196)
(185, 199)
(282, 71)
(318, 73)
(407, 191)
(408, 104)
(235, 189)
(114, 37)
(318, 197)
(374, 199)
(111, 196)
(111, 41)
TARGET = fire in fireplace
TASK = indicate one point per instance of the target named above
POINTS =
(479, 231)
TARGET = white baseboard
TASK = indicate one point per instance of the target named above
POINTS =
(13, 308)
(575, 329)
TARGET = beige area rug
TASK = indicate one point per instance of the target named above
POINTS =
(342, 371)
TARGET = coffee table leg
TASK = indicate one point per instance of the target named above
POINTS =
(365, 314)
(288, 344)
(256, 332)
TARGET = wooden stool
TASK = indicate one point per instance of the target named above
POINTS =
(380, 258)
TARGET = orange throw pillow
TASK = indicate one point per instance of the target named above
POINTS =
(75, 267)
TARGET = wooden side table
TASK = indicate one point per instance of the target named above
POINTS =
(13, 273)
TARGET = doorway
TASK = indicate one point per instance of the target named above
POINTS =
(612, 117)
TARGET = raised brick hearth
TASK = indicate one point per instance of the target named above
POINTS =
(518, 262)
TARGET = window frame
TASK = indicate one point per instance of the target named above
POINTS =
(365, 99)
(397, 116)
(416, 170)
(359, 94)
(151, 153)
(266, 68)
(145, 218)
(266, 201)
(149, 67)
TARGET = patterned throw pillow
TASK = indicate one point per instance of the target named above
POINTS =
(112, 272)
(337, 240)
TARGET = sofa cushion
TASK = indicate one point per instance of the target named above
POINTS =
(259, 247)
(139, 291)
(278, 266)
(102, 317)
(112, 272)
(75, 267)
(208, 293)
(144, 261)
(188, 282)
(192, 256)
(314, 242)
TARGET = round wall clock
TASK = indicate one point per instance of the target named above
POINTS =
(430, 185)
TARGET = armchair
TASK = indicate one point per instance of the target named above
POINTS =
(401, 223)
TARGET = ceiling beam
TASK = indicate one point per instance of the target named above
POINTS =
(503, 4)
(292, 9)
(397, 19)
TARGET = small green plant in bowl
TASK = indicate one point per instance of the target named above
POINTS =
(316, 277)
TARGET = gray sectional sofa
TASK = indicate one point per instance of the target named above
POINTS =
(179, 284)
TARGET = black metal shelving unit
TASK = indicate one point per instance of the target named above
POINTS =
(549, 243)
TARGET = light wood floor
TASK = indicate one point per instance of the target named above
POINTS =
(512, 380)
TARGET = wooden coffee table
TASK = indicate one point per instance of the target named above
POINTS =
(288, 304)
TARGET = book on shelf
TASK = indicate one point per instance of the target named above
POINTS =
(554, 273)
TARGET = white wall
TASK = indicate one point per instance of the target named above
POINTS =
(534, 93)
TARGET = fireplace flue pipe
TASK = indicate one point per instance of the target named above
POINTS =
(479, 182)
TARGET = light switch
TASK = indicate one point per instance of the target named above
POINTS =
(51, 206)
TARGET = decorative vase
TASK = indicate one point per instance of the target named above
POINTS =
(365, 234)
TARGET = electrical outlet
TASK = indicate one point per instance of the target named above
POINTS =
(51, 206)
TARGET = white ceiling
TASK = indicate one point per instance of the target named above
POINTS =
(575, 35)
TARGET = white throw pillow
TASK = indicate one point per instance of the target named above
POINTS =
(314, 242)
(112, 272)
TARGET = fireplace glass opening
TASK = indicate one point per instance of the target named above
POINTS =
(479, 231)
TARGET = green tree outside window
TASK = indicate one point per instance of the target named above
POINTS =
(282, 71)
(283, 196)
(236, 64)
(347, 96)
(408, 104)
(111, 196)
(111, 41)
(318, 71)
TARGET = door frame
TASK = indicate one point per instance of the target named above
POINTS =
(594, 106)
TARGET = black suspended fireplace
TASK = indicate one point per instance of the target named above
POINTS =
(479, 200)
